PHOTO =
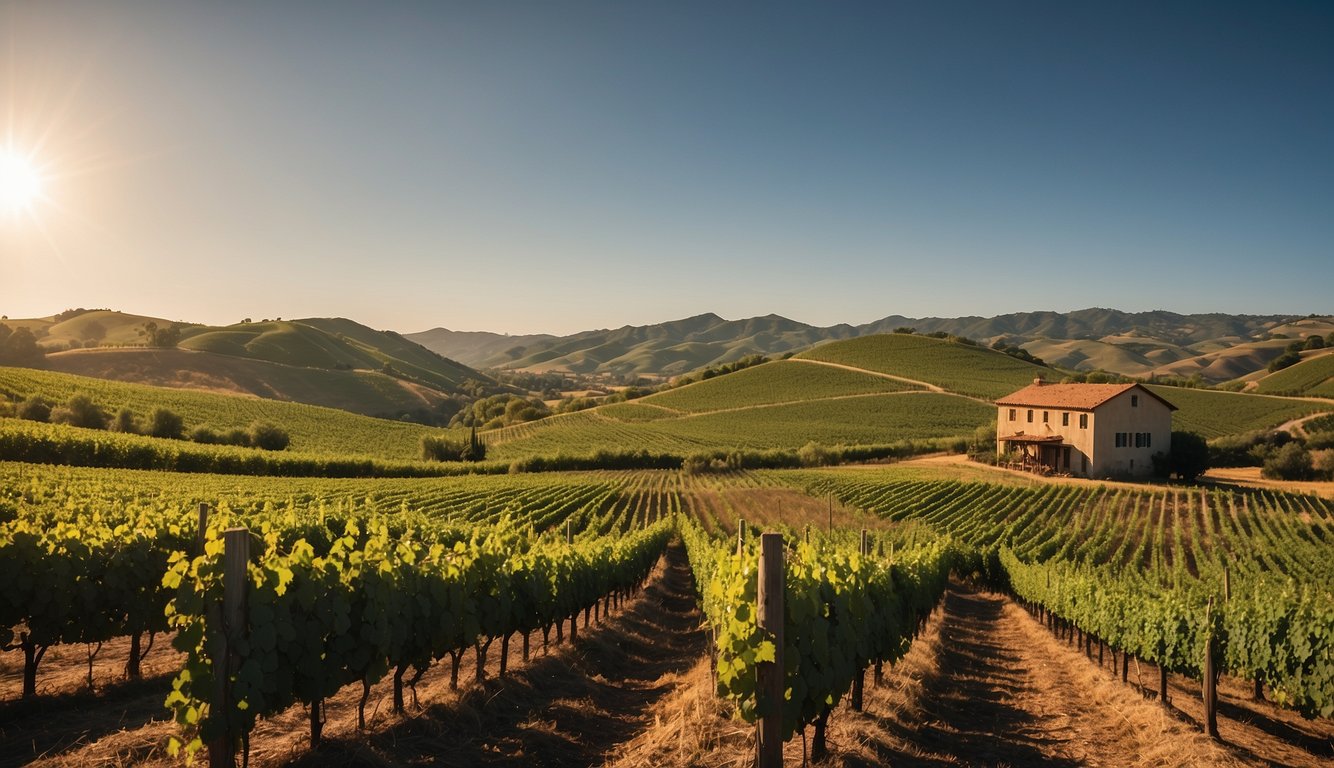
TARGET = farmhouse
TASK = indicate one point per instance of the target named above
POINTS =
(1089, 430)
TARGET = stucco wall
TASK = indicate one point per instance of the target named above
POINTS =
(1097, 443)
(1118, 415)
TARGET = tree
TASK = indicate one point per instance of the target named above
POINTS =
(1283, 361)
(268, 436)
(1291, 462)
(166, 423)
(81, 411)
(1190, 455)
(1314, 342)
(125, 421)
(476, 448)
(164, 338)
(34, 408)
(19, 347)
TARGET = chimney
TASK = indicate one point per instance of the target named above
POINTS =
(1038, 382)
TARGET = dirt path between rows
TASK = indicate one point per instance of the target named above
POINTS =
(570, 706)
(987, 685)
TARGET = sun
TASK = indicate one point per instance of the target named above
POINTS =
(20, 182)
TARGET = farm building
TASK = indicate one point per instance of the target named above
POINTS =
(1089, 430)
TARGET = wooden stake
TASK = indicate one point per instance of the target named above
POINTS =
(229, 628)
(1209, 689)
(769, 675)
(203, 528)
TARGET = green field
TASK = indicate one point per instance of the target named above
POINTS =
(967, 370)
(330, 343)
(1313, 377)
(862, 420)
(1216, 414)
(313, 429)
(783, 381)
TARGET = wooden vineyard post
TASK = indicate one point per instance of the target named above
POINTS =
(769, 675)
(859, 680)
(201, 534)
(574, 620)
(741, 535)
(1209, 689)
(226, 623)
(831, 512)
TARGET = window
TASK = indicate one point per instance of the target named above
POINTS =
(1121, 439)
(1045, 414)
(1065, 419)
(1134, 401)
(1083, 421)
(1012, 415)
(1148, 442)
(1139, 439)
(1030, 415)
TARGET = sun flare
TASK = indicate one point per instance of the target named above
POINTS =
(20, 182)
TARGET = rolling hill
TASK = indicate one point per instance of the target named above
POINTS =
(959, 368)
(370, 393)
(312, 429)
(871, 390)
(1312, 377)
(331, 362)
(1131, 343)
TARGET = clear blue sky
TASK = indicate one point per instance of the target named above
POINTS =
(554, 167)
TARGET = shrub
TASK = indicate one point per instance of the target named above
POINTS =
(813, 454)
(165, 423)
(125, 421)
(1322, 462)
(34, 409)
(1291, 462)
(1189, 457)
(205, 434)
(80, 411)
(1284, 360)
(235, 436)
(1320, 441)
(268, 436)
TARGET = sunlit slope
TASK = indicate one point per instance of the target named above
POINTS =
(96, 327)
(312, 428)
(332, 343)
(1215, 414)
(960, 368)
(875, 419)
(371, 393)
(1313, 376)
(782, 381)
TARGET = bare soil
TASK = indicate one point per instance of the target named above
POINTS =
(570, 705)
(987, 685)
(984, 685)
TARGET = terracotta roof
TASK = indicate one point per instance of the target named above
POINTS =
(1082, 397)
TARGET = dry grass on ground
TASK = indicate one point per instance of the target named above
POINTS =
(570, 706)
(984, 685)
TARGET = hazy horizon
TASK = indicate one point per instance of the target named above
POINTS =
(528, 168)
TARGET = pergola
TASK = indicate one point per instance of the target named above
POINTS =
(1040, 453)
